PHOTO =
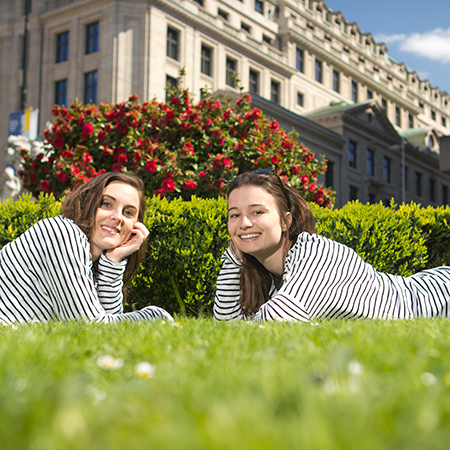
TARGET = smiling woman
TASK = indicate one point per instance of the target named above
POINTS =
(77, 265)
(277, 268)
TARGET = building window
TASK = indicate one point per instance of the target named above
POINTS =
(206, 60)
(61, 92)
(92, 37)
(410, 120)
(369, 94)
(246, 28)
(352, 154)
(259, 6)
(398, 117)
(300, 99)
(433, 114)
(318, 71)
(329, 179)
(432, 190)
(230, 71)
(171, 82)
(419, 184)
(352, 193)
(172, 50)
(445, 195)
(386, 170)
(253, 81)
(62, 47)
(430, 142)
(299, 59)
(383, 104)
(90, 87)
(267, 40)
(336, 81)
(371, 198)
(354, 91)
(370, 165)
(444, 121)
(223, 14)
(275, 91)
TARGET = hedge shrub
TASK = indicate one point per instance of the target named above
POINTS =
(187, 239)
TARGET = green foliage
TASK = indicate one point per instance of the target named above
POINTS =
(339, 385)
(18, 216)
(187, 239)
(183, 259)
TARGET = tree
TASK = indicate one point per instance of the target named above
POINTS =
(179, 148)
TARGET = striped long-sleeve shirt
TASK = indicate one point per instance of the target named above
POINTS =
(326, 279)
(47, 274)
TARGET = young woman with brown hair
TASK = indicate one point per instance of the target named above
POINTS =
(277, 268)
(78, 265)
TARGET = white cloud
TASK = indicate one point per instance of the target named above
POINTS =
(433, 44)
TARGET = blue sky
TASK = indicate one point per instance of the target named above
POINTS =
(416, 32)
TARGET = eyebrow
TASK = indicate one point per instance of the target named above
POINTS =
(126, 206)
(250, 206)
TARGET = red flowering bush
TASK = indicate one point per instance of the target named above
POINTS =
(179, 148)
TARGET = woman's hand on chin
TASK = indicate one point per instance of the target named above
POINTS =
(132, 243)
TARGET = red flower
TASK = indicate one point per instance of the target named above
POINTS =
(63, 112)
(122, 158)
(44, 185)
(304, 178)
(101, 135)
(189, 185)
(33, 179)
(150, 167)
(275, 160)
(159, 193)
(168, 186)
(137, 156)
(116, 167)
(63, 176)
(202, 174)
(188, 148)
(58, 143)
(274, 126)
(54, 111)
(87, 158)
(312, 186)
(88, 128)
(295, 169)
(34, 165)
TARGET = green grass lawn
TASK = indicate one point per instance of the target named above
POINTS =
(332, 385)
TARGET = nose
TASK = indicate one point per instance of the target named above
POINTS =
(245, 222)
(116, 215)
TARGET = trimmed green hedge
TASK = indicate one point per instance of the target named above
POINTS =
(187, 239)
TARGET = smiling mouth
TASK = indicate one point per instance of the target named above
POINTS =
(109, 229)
(250, 236)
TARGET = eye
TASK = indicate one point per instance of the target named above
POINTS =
(106, 204)
(233, 216)
(129, 213)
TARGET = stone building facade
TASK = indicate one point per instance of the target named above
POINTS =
(303, 63)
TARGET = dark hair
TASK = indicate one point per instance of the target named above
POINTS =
(82, 203)
(255, 281)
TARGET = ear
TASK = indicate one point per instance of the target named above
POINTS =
(287, 222)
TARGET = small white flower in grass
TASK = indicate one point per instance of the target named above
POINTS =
(355, 368)
(108, 362)
(428, 379)
(176, 324)
(261, 326)
(145, 370)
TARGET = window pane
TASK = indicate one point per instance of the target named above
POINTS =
(90, 87)
(319, 71)
(61, 92)
(299, 60)
(352, 154)
(92, 37)
(206, 60)
(62, 47)
(172, 43)
(254, 81)
(230, 71)
(275, 91)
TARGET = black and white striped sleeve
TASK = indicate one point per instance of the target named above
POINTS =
(226, 303)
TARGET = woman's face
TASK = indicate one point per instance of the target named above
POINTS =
(115, 218)
(254, 223)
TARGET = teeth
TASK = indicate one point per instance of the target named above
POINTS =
(249, 236)
(112, 230)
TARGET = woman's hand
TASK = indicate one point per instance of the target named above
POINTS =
(132, 243)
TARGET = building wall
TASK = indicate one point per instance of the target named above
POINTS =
(132, 59)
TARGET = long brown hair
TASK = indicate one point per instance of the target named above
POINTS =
(256, 280)
(82, 203)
